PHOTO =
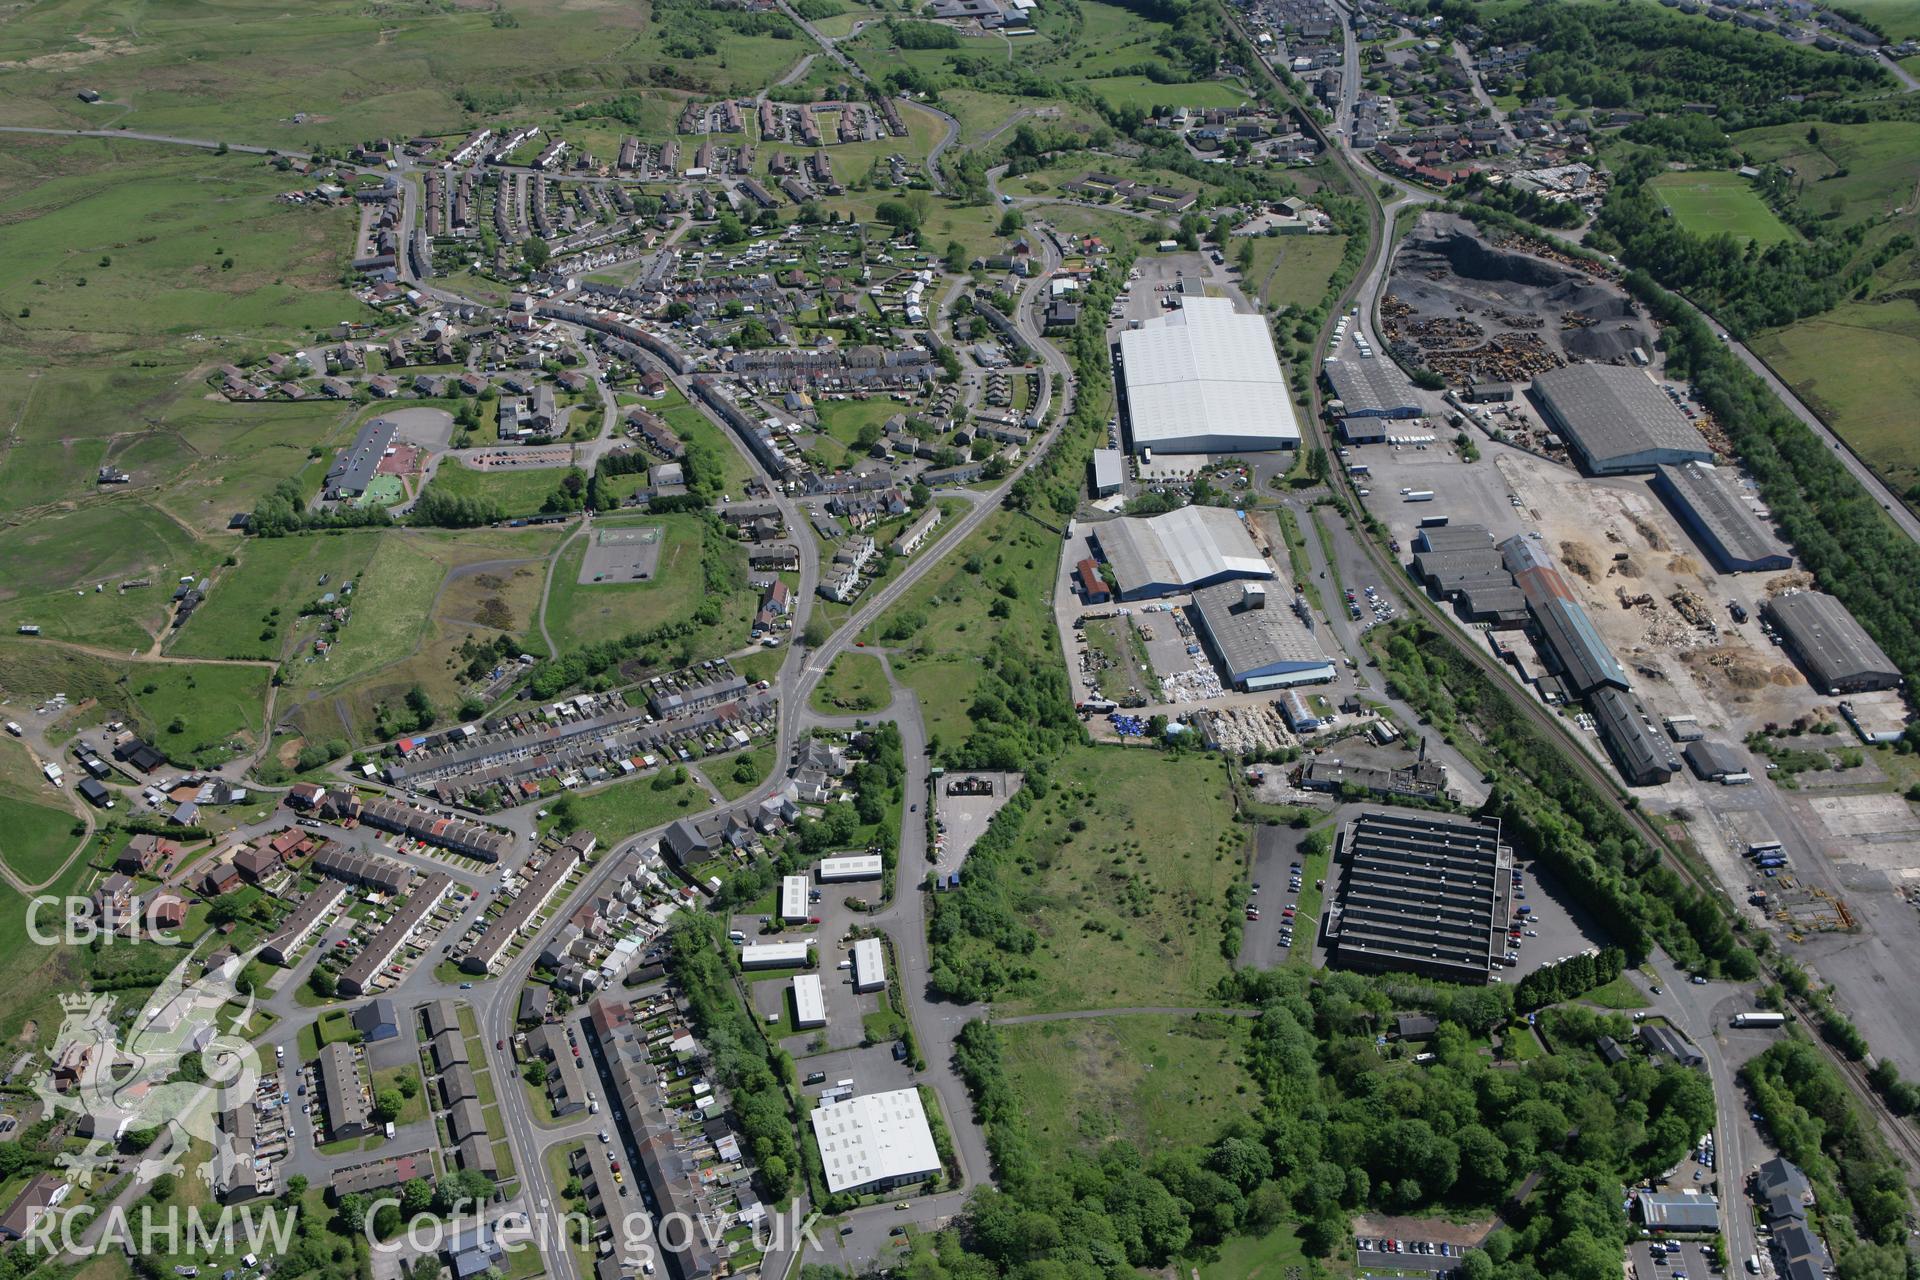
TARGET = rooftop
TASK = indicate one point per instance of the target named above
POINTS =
(1730, 531)
(1256, 640)
(1836, 649)
(1205, 379)
(1374, 386)
(1617, 417)
(1179, 550)
(1421, 893)
(878, 1138)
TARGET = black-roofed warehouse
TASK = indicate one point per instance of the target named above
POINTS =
(1421, 893)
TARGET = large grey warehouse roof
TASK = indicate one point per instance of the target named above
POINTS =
(1267, 645)
(1642, 752)
(1837, 651)
(1618, 418)
(1704, 497)
(1178, 551)
(1446, 571)
(1372, 388)
(1423, 893)
(1205, 380)
(1584, 658)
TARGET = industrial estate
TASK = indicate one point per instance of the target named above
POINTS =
(1001, 639)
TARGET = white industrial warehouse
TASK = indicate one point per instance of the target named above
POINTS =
(869, 965)
(793, 899)
(875, 1142)
(1179, 551)
(809, 1001)
(1205, 380)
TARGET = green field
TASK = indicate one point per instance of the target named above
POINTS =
(621, 809)
(1858, 367)
(519, 493)
(238, 68)
(1274, 1256)
(843, 419)
(1161, 1083)
(1130, 906)
(695, 427)
(39, 836)
(586, 613)
(942, 628)
(1711, 203)
(211, 704)
(201, 712)
(1899, 18)
(50, 567)
(1857, 171)
(856, 682)
(1138, 91)
(1293, 270)
(727, 773)
(274, 573)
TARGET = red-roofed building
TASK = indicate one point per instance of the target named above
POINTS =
(1092, 585)
(305, 795)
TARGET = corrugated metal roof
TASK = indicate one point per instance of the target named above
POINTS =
(1704, 496)
(1180, 549)
(1616, 415)
(1828, 639)
(1205, 380)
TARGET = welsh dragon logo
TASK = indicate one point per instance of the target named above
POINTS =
(173, 1066)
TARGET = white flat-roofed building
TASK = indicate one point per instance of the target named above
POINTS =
(775, 955)
(793, 899)
(809, 1001)
(875, 1142)
(851, 866)
(1205, 380)
(869, 965)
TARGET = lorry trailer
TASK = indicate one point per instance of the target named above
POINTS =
(1759, 1018)
(1420, 495)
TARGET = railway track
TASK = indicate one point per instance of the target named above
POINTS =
(1899, 1133)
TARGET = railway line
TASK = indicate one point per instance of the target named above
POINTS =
(1370, 280)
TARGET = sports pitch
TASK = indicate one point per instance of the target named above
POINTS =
(1709, 202)
(621, 555)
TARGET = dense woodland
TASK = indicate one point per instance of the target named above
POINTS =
(1643, 57)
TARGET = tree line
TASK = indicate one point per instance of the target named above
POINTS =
(1549, 809)
(1345, 1126)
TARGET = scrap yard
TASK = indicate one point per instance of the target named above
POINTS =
(1478, 312)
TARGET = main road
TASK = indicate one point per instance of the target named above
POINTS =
(495, 1002)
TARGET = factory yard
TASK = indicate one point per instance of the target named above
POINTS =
(1476, 311)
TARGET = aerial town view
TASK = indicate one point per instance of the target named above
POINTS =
(959, 639)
